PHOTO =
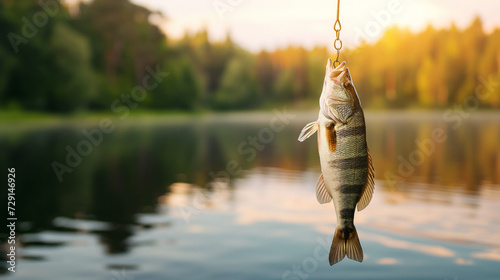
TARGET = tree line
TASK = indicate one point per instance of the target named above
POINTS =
(57, 60)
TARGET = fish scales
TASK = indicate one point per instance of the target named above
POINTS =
(347, 172)
(349, 166)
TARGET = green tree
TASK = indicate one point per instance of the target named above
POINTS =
(180, 89)
(265, 73)
(51, 70)
(316, 61)
(73, 81)
(210, 59)
(284, 86)
(124, 42)
(238, 87)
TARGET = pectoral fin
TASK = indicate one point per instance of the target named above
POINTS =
(369, 187)
(308, 130)
(322, 193)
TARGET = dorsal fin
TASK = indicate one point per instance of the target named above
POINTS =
(322, 193)
(369, 187)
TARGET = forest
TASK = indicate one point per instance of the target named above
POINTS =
(54, 60)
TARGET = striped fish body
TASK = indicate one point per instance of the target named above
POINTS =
(344, 163)
(347, 173)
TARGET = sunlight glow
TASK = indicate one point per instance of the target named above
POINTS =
(258, 24)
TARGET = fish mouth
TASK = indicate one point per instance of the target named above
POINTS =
(340, 75)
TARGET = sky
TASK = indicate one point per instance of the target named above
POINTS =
(271, 24)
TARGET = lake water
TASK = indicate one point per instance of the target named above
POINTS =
(233, 197)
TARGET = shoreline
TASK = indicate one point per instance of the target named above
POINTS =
(16, 119)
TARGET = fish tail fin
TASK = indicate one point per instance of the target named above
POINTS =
(353, 247)
(337, 251)
(343, 245)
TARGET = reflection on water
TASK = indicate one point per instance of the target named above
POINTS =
(144, 204)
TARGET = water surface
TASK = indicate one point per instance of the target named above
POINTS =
(153, 200)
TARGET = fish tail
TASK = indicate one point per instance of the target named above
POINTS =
(345, 242)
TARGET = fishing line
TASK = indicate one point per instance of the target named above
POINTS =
(337, 43)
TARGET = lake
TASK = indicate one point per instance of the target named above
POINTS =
(232, 196)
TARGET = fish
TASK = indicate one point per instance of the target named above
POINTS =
(347, 173)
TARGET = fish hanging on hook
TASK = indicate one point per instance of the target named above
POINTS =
(347, 174)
